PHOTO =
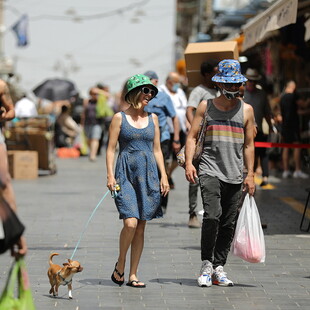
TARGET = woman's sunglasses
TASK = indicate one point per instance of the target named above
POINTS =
(146, 91)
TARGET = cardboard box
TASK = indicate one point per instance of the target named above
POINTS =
(34, 139)
(23, 165)
(33, 122)
(196, 53)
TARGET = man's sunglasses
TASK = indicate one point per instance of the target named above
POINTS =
(146, 91)
(230, 85)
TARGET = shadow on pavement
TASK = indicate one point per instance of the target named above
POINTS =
(48, 248)
(197, 248)
(105, 282)
(56, 298)
(167, 225)
(181, 281)
(244, 285)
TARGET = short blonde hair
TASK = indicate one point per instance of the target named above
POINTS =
(133, 98)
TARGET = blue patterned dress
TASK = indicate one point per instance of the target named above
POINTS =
(136, 173)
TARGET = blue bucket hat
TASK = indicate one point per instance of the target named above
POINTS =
(229, 72)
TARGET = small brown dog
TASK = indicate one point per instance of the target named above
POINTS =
(62, 275)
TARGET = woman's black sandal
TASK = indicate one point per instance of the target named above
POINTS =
(137, 284)
(119, 282)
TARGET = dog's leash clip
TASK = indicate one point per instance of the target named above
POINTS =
(114, 193)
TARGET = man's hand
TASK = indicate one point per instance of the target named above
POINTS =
(176, 146)
(249, 184)
(20, 248)
(191, 173)
(2, 114)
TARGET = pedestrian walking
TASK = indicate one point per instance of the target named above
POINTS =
(92, 123)
(204, 91)
(136, 174)
(163, 107)
(257, 98)
(7, 195)
(172, 88)
(228, 147)
(105, 111)
(291, 130)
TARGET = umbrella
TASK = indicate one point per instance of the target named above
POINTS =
(55, 89)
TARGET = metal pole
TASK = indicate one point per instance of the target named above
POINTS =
(201, 16)
(2, 27)
(209, 14)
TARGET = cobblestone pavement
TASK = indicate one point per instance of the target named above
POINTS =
(56, 208)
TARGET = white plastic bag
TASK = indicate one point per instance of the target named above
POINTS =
(248, 242)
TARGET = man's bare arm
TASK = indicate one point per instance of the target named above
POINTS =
(248, 149)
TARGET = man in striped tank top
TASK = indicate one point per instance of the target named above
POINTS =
(228, 147)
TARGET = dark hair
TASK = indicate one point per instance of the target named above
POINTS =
(208, 66)
(64, 108)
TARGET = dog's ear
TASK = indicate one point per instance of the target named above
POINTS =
(65, 264)
(69, 260)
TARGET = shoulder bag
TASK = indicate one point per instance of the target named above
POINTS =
(18, 277)
(11, 227)
(199, 143)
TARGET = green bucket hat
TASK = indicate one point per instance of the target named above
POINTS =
(139, 80)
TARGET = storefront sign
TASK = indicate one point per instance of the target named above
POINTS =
(282, 13)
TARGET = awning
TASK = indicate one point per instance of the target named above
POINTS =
(280, 14)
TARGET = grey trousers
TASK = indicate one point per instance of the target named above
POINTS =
(220, 203)
(192, 196)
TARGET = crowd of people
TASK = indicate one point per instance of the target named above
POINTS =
(154, 121)
(84, 122)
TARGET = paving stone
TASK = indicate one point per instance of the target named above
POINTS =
(56, 208)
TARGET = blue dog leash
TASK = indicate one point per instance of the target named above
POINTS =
(91, 216)
(114, 195)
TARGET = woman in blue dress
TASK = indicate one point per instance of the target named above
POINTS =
(136, 173)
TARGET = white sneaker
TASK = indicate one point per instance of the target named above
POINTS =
(205, 278)
(286, 174)
(299, 174)
(201, 212)
(219, 277)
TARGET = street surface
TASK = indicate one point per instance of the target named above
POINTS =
(56, 208)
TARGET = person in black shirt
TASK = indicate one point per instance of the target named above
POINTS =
(291, 130)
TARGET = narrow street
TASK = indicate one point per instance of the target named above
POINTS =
(56, 208)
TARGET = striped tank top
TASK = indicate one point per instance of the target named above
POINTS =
(222, 155)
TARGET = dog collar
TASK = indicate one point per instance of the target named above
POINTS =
(63, 279)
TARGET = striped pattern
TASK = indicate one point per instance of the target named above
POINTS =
(224, 131)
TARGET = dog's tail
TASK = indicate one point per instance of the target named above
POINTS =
(51, 256)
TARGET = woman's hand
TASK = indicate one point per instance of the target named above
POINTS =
(164, 186)
(111, 182)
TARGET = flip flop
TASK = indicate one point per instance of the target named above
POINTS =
(119, 282)
(130, 283)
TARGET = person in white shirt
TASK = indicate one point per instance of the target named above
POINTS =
(172, 87)
(25, 108)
